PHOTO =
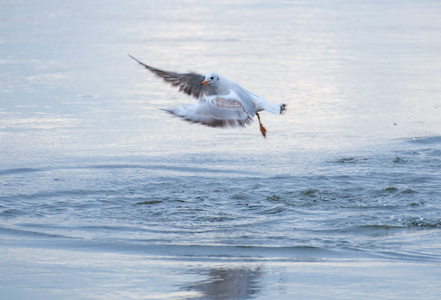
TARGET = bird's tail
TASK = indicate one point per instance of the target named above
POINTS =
(275, 108)
(262, 104)
(283, 108)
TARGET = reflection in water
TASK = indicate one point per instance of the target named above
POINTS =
(227, 283)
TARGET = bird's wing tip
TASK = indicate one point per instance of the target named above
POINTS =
(170, 111)
(133, 58)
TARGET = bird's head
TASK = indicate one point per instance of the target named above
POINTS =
(211, 78)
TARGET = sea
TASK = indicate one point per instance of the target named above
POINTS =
(105, 196)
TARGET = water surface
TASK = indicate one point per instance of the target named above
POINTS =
(102, 195)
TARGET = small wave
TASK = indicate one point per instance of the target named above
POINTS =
(274, 210)
(422, 223)
(184, 169)
(19, 171)
(409, 256)
(149, 202)
(273, 198)
(426, 140)
(381, 226)
(28, 233)
(310, 192)
(169, 168)
(118, 228)
(350, 160)
(11, 213)
(199, 251)
(168, 249)
(400, 160)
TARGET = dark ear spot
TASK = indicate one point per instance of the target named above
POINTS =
(217, 78)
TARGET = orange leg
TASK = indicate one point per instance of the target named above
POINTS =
(262, 129)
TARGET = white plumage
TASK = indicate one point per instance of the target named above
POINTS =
(221, 102)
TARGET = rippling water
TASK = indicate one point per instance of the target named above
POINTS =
(102, 195)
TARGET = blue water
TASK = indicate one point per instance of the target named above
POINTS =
(104, 196)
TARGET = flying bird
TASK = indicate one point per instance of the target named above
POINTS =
(220, 101)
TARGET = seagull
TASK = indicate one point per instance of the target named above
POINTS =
(220, 101)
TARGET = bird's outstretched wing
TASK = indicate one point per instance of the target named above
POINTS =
(189, 83)
(215, 111)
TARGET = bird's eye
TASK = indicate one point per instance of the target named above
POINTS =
(212, 78)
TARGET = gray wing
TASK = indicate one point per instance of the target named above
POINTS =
(215, 111)
(189, 83)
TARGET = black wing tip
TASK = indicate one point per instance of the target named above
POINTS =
(139, 62)
(133, 58)
(170, 111)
